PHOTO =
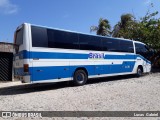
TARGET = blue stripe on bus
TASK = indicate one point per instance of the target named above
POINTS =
(22, 55)
(58, 72)
(56, 55)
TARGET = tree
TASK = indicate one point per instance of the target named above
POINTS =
(123, 26)
(103, 28)
(146, 29)
(149, 27)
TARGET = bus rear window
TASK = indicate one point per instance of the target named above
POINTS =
(19, 37)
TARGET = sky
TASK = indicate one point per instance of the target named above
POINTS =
(74, 15)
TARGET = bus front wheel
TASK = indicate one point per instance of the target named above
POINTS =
(80, 77)
(139, 71)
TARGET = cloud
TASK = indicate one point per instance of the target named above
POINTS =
(147, 2)
(6, 7)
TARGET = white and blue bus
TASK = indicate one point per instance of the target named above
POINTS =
(47, 54)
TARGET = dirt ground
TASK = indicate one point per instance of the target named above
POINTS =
(122, 93)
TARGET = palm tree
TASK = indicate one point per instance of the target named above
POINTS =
(126, 18)
(103, 27)
(122, 24)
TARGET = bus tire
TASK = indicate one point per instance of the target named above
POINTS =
(139, 71)
(80, 78)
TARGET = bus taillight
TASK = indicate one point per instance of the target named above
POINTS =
(26, 67)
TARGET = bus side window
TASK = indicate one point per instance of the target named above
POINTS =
(110, 44)
(126, 46)
(39, 37)
(87, 42)
(62, 39)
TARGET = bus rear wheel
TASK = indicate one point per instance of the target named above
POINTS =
(80, 77)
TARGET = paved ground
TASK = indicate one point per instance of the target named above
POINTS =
(123, 93)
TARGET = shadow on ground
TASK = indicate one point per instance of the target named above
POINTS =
(155, 70)
(30, 88)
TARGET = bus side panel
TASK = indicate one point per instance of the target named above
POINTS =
(57, 72)
(45, 69)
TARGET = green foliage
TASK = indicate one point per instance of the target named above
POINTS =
(103, 27)
(124, 27)
(146, 30)
(150, 29)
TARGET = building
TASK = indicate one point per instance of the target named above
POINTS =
(6, 61)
